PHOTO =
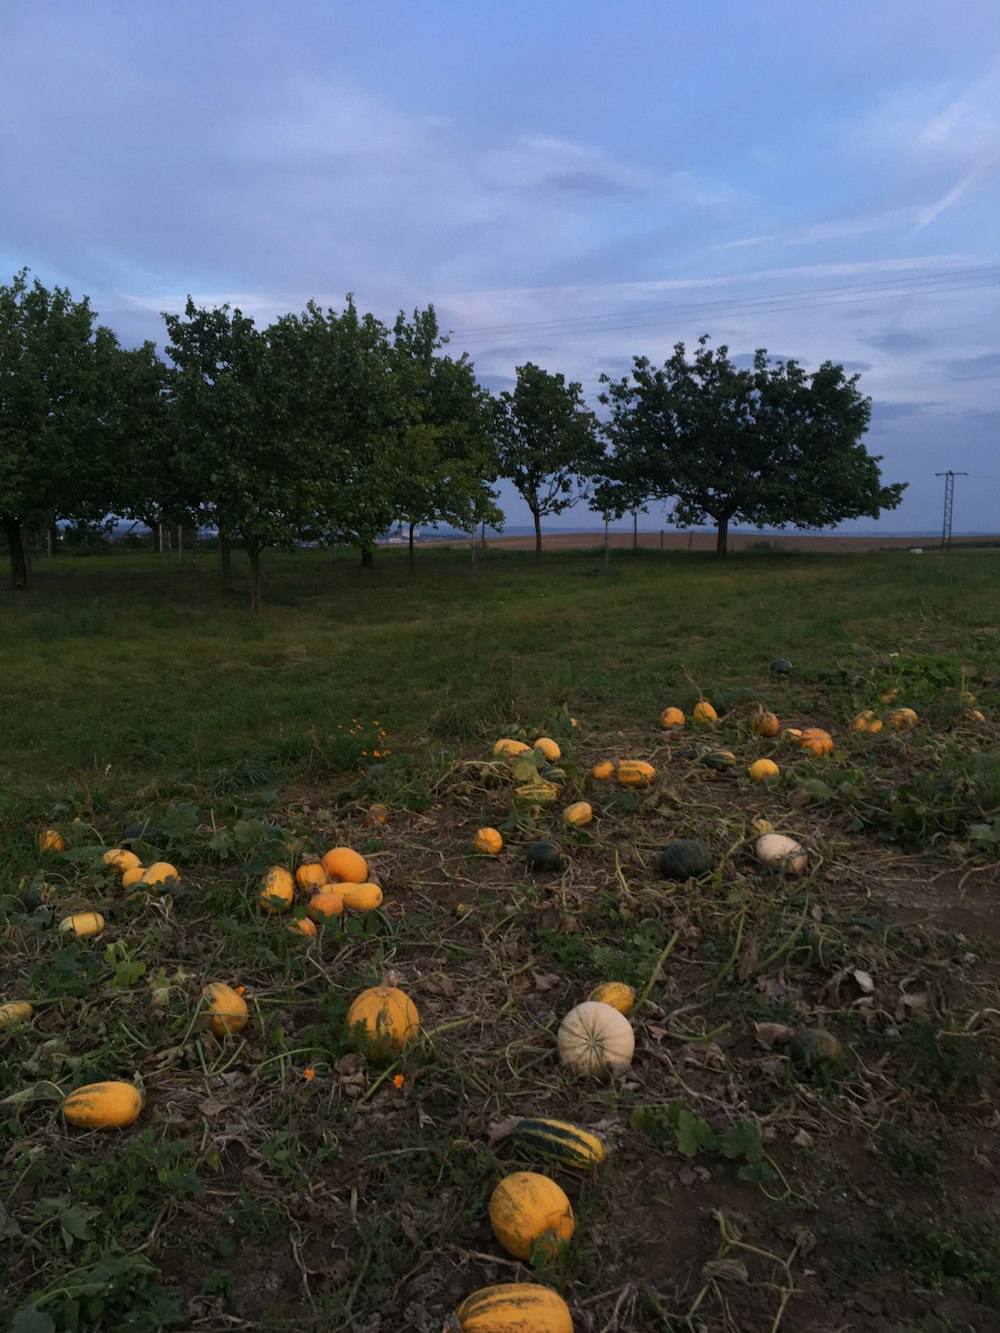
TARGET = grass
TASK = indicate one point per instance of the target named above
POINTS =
(282, 1178)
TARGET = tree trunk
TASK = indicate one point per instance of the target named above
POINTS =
(53, 538)
(367, 558)
(225, 561)
(538, 535)
(15, 545)
(252, 545)
(412, 526)
(722, 536)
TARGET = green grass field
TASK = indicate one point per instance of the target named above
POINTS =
(281, 1178)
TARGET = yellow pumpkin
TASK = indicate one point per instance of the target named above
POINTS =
(616, 993)
(277, 890)
(303, 926)
(763, 769)
(863, 720)
(120, 859)
(889, 695)
(593, 1036)
(345, 866)
(362, 897)
(488, 841)
(51, 841)
(672, 717)
(603, 771)
(531, 1215)
(133, 875)
(635, 773)
(765, 724)
(762, 826)
(383, 1018)
(311, 874)
(326, 904)
(228, 1010)
(103, 1105)
(549, 748)
(515, 1307)
(578, 815)
(15, 1011)
(537, 792)
(704, 713)
(875, 727)
(508, 749)
(83, 924)
(904, 718)
(971, 715)
(159, 874)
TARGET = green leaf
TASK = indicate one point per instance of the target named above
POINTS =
(743, 1139)
(693, 1133)
(756, 1172)
(29, 1319)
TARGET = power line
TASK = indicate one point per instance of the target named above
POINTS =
(955, 280)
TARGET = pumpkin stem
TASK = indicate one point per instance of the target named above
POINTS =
(388, 981)
(310, 859)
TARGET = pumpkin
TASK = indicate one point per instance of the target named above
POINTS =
(549, 748)
(514, 1307)
(302, 925)
(765, 724)
(132, 876)
(544, 857)
(15, 1011)
(578, 815)
(863, 720)
(383, 1018)
(815, 1046)
(345, 866)
(718, 759)
(686, 859)
(672, 717)
(228, 1010)
(601, 772)
(311, 874)
(790, 734)
(616, 993)
(51, 841)
(508, 748)
(762, 826)
(816, 742)
(889, 695)
(904, 718)
(781, 853)
(593, 1036)
(635, 773)
(704, 713)
(781, 666)
(120, 859)
(103, 1105)
(362, 897)
(83, 924)
(328, 903)
(277, 890)
(875, 727)
(763, 769)
(971, 715)
(159, 874)
(558, 1141)
(378, 814)
(488, 841)
(531, 1215)
(550, 773)
(537, 792)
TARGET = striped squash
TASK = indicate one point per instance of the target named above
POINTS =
(515, 1307)
(558, 1141)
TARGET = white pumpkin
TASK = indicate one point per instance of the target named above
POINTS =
(593, 1036)
(781, 853)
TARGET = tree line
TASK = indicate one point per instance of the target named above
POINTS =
(333, 427)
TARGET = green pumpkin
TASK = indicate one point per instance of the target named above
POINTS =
(558, 1141)
(815, 1046)
(719, 759)
(544, 857)
(686, 859)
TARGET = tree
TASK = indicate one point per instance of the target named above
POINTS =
(548, 444)
(443, 428)
(769, 445)
(55, 373)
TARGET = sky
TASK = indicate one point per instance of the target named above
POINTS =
(572, 184)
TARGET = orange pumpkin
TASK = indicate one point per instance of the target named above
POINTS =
(530, 1215)
(672, 717)
(362, 897)
(383, 1018)
(488, 841)
(816, 742)
(345, 866)
(326, 904)
(704, 713)
(311, 874)
(303, 926)
(765, 724)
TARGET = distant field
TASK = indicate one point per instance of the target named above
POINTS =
(759, 1174)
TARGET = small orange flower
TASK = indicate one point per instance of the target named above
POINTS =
(309, 1074)
(398, 1081)
(239, 989)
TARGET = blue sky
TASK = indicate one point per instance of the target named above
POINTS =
(571, 184)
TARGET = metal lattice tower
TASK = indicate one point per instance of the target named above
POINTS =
(949, 505)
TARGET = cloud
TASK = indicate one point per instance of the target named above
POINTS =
(897, 340)
(974, 367)
(895, 411)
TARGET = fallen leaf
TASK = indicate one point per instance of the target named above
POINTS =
(864, 980)
(773, 1034)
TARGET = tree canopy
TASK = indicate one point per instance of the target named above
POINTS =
(547, 443)
(769, 445)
